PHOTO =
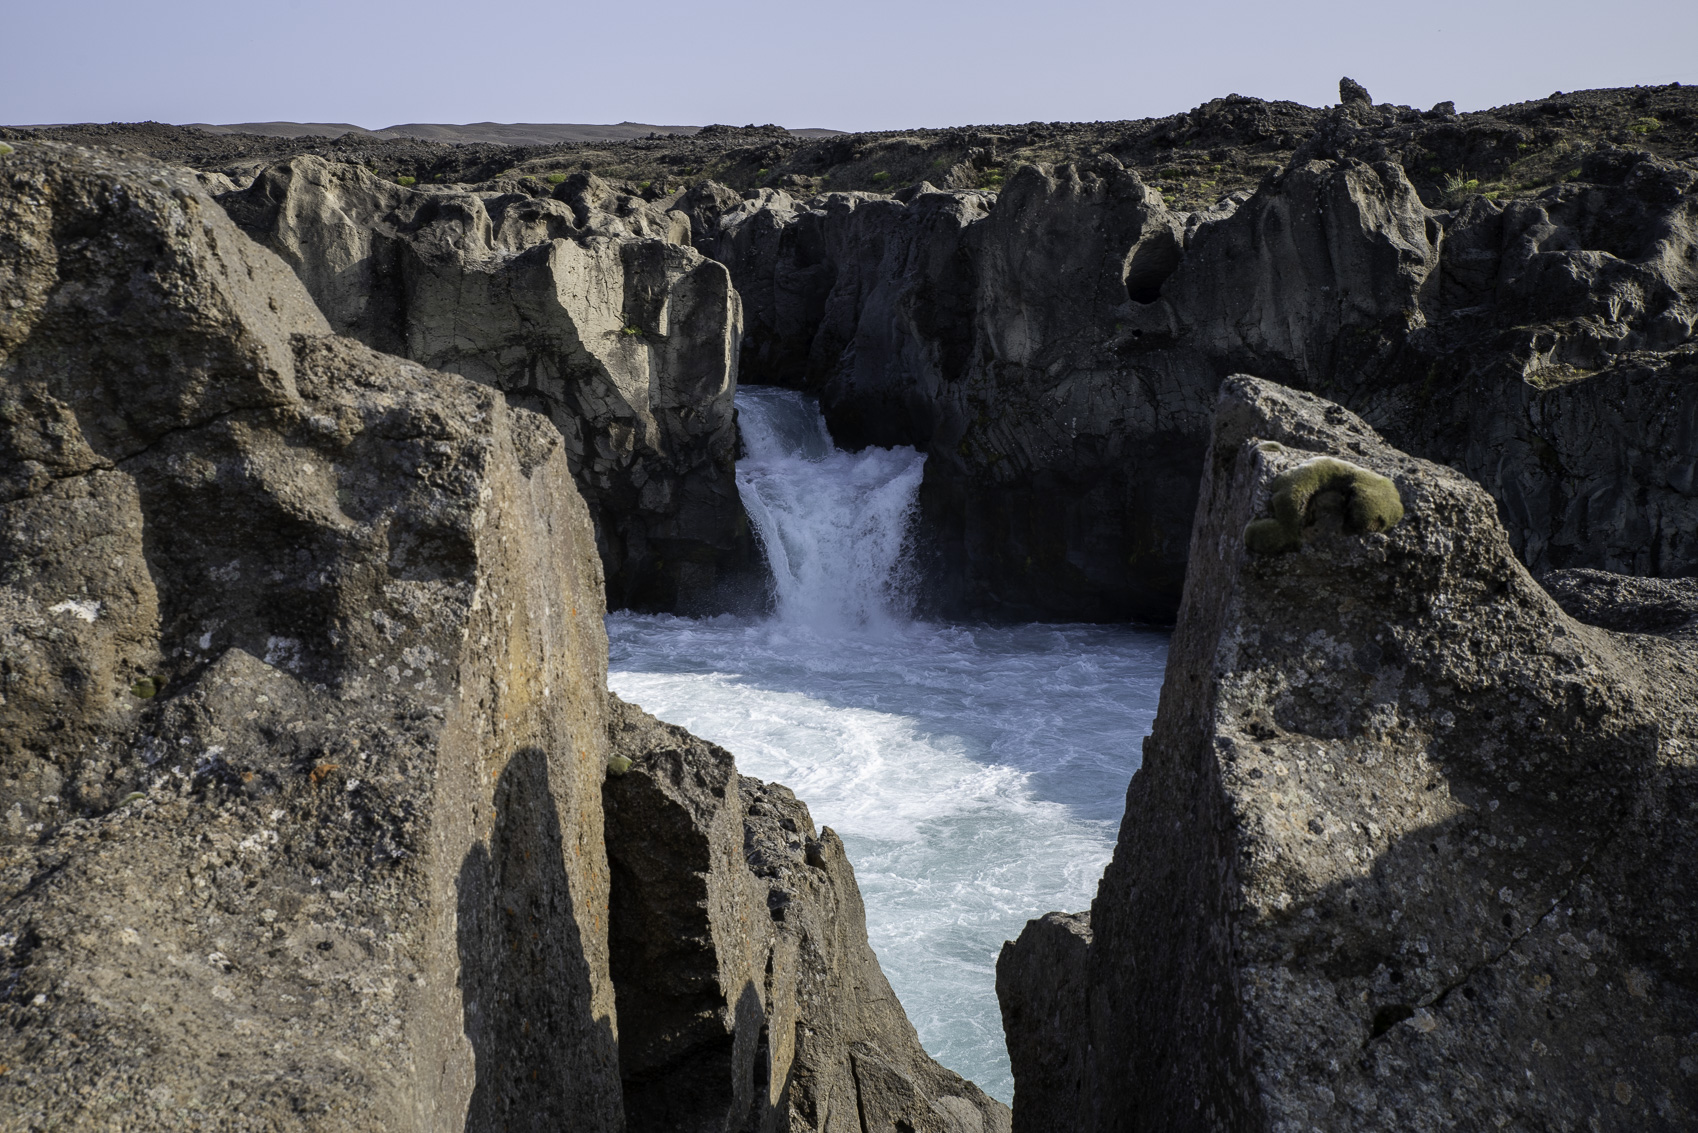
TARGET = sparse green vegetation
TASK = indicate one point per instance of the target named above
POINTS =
(148, 687)
(630, 331)
(1459, 183)
(1644, 126)
(881, 176)
(406, 182)
(555, 178)
(1365, 501)
(4, 149)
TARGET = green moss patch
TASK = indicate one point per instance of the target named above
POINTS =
(147, 688)
(1370, 503)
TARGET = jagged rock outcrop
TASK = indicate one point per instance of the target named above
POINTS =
(304, 731)
(748, 996)
(586, 304)
(939, 321)
(1043, 987)
(1056, 351)
(1410, 847)
(303, 727)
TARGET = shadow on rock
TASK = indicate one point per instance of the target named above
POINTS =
(525, 982)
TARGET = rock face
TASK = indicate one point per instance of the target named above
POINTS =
(972, 332)
(303, 730)
(748, 996)
(305, 737)
(1667, 607)
(1043, 986)
(1410, 847)
(587, 305)
(1056, 349)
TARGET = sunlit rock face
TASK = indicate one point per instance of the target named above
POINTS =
(588, 306)
(303, 704)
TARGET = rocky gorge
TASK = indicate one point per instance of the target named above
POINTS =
(319, 813)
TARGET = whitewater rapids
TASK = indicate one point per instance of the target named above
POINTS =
(975, 773)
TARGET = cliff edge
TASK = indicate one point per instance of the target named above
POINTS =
(1411, 848)
(305, 740)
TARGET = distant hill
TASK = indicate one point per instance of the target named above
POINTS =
(499, 133)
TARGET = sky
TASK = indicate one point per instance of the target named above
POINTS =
(873, 65)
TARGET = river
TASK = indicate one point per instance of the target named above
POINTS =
(976, 773)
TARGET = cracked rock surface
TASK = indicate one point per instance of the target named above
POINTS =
(749, 998)
(1410, 848)
(583, 303)
(303, 732)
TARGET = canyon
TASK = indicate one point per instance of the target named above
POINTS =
(325, 460)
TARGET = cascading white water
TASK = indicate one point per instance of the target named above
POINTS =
(975, 773)
(832, 523)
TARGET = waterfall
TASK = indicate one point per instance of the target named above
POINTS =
(834, 524)
(976, 773)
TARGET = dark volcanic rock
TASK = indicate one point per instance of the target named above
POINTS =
(1057, 350)
(748, 997)
(302, 707)
(1043, 983)
(1349, 91)
(1667, 607)
(1409, 848)
(587, 305)
(975, 332)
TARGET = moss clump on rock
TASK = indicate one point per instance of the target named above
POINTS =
(147, 688)
(617, 765)
(1370, 503)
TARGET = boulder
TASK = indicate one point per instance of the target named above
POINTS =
(303, 728)
(1351, 91)
(748, 996)
(587, 305)
(1410, 847)
(1042, 983)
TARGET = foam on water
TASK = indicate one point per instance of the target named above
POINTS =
(832, 523)
(975, 773)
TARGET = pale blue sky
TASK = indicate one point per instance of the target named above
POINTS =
(879, 64)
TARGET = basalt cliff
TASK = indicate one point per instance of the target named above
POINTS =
(315, 812)
(1046, 310)
(1411, 846)
(1055, 347)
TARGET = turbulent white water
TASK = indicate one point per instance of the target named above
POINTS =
(975, 773)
